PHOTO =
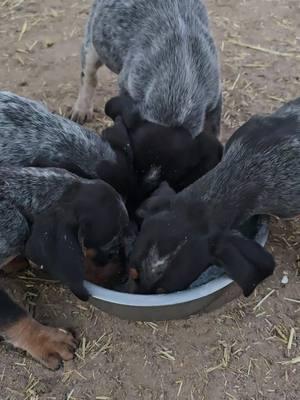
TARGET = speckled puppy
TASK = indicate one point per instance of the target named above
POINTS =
(165, 56)
(53, 218)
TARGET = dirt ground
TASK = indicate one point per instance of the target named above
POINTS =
(246, 350)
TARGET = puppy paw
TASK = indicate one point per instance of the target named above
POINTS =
(49, 346)
(81, 113)
(54, 346)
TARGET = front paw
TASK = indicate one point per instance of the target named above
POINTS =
(81, 113)
(50, 346)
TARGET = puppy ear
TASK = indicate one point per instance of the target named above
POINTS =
(159, 200)
(245, 261)
(54, 244)
(123, 106)
(120, 173)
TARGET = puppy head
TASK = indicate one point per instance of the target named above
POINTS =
(89, 219)
(165, 257)
(161, 153)
(102, 220)
(174, 248)
(164, 153)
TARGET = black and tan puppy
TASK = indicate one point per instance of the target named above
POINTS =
(54, 219)
(184, 233)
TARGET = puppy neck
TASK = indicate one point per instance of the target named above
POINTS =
(224, 202)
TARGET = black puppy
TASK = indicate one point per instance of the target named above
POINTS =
(165, 153)
(178, 241)
(54, 219)
(259, 174)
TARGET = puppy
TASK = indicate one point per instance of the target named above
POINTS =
(32, 136)
(184, 233)
(54, 218)
(168, 67)
(165, 56)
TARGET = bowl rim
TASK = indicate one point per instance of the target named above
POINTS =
(151, 300)
(169, 299)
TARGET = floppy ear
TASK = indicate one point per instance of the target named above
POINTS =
(118, 137)
(120, 173)
(245, 261)
(159, 200)
(123, 106)
(193, 259)
(54, 244)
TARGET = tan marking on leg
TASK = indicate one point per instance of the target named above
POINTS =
(50, 346)
(84, 106)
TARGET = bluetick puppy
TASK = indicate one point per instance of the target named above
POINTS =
(54, 219)
(165, 56)
(167, 63)
(186, 232)
(32, 136)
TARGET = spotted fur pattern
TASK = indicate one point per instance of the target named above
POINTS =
(164, 54)
(259, 173)
(30, 135)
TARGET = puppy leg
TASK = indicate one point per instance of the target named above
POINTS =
(213, 120)
(83, 109)
(50, 346)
